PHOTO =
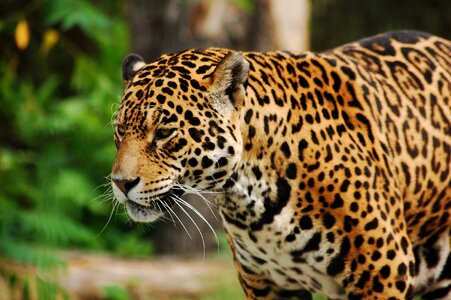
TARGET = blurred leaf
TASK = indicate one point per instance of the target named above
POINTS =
(133, 245)
(56, 228)
(22, 35)
(26, 253)
(77, 13)
(73, 186)
(49, 40)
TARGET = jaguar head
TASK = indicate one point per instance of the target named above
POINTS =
(177, 128)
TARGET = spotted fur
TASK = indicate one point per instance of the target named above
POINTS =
(331, 170)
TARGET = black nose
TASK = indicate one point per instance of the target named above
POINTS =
(125, 185)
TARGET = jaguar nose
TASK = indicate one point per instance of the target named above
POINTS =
(125, 185)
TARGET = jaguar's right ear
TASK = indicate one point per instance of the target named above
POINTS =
(228, 82)
(131, 64)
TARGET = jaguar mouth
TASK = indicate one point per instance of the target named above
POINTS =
(155, 207)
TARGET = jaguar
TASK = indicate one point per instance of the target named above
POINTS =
(330, 171)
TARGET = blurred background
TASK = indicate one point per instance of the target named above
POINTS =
(60, 83)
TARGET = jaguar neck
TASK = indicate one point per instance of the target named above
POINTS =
(261, 178)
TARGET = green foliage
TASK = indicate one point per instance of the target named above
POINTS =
(113, 292)
(57, 97)
(246, 5)
(132, 246)
(225, 291)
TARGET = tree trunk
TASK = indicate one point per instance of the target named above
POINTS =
(162, 26)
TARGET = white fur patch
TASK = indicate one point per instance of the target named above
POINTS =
(222, 104)
(138, 66)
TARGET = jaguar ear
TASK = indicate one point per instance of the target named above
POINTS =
(228, 80)
(131, 64)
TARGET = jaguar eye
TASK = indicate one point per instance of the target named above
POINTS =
(164, 133)
(120, 131)
(118, 135)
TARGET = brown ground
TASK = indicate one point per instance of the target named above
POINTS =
(88, 276)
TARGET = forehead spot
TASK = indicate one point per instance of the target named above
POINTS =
(161, 98)
(172, 84)
(159, 82)
(168, 91)
(139, 93)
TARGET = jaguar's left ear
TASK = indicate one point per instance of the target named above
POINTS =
(228, 80)
(131, 64)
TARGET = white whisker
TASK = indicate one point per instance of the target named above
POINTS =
(188, 205)
(180, 221)
(162, 211)
(115, 205)
(200, 216)
(192, 191)
(179, 202)
(170, 212)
